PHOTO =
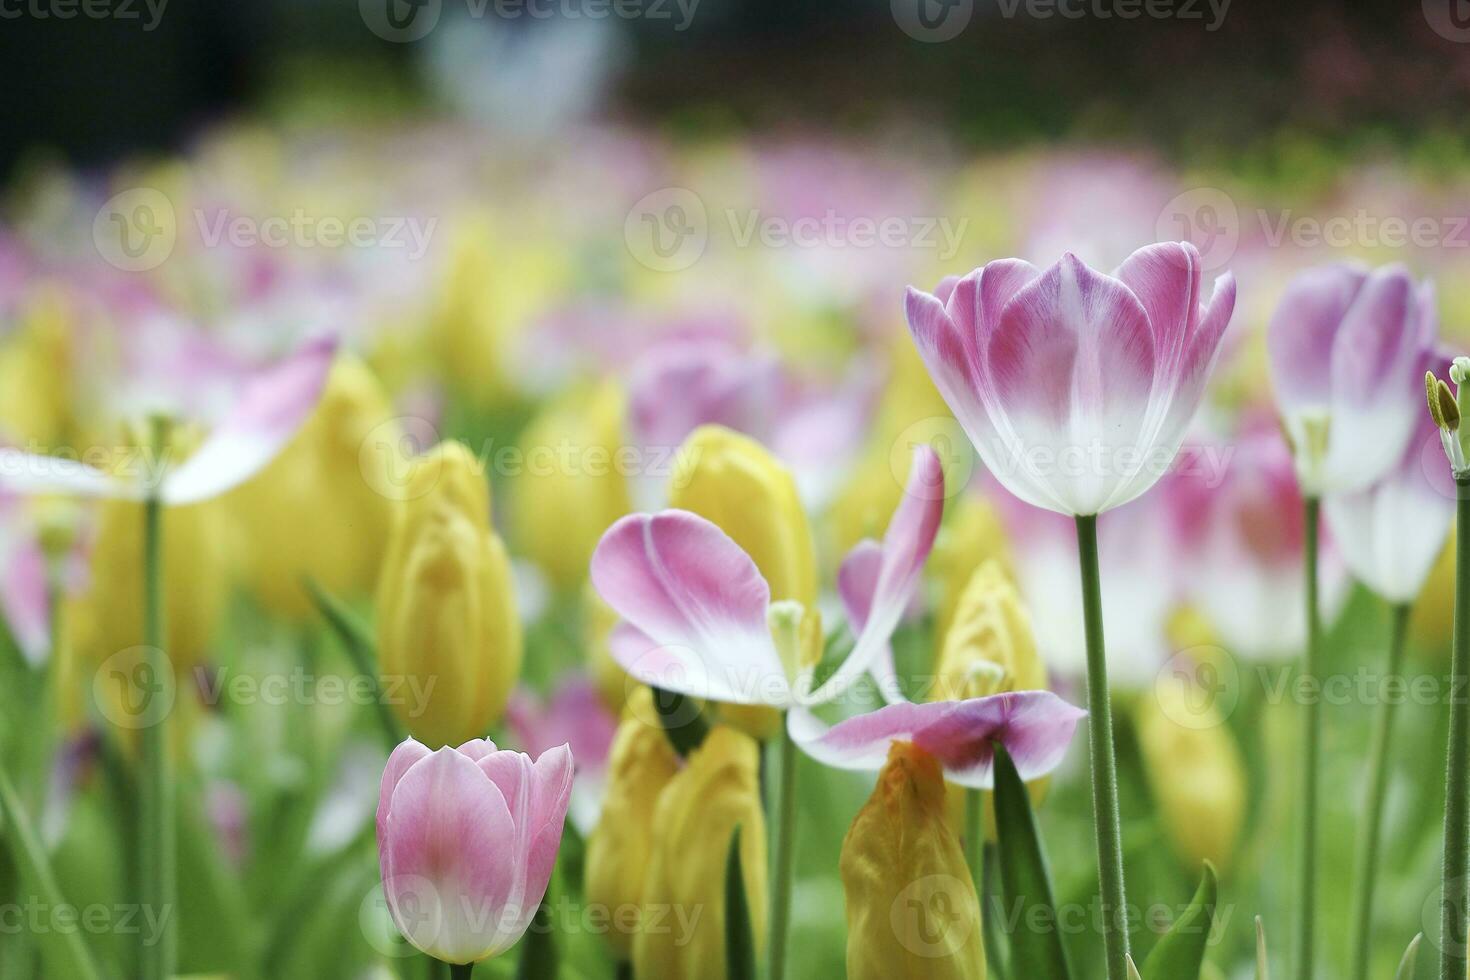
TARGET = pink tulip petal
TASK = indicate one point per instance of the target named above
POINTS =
(1035, 727)
(31, 474)
(25, 599)
(687, 586)
(270, 410)
(1304, 329)
(906, 546)
(857, 581)
(447, 867)
(1166, 279)
(478, 748)
(400, 761)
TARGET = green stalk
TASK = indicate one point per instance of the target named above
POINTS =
(974, 834)
(785, 849)
(158, 846)
(1367, 859)
(1311, 752)
(1452, 932)
(1105, 812)
(461, 971)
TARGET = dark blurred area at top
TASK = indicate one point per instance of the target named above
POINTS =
(87, 91)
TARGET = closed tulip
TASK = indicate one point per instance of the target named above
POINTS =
(989, 648)
(641, 765)
(972, 535)
(447, 622)
(467, 839)
(717, 791)
(912, 909)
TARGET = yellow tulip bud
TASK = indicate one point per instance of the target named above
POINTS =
(324, 507)
(912, 910)
(36, 390)
(735, 482)
(640, 765)
(1196, 771)
(972, 535)
(717, 790)
(447, 622)
(570, 488)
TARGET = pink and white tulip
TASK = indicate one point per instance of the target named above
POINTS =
(1345, 344)
(1391, 532)
(1075, 387)
(697, 614)
(467, 839)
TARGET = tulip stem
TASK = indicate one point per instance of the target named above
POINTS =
(156, 803)
(785, 849)
(1311, 749)
(1105, 811)
(461, 971)
(1452, 959)
(1367, 860)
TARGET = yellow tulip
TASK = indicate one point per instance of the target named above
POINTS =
(971, 535)
(912, 909)
(448, 632)
(570, 487)
(1433, 618)
(1195, 769)
(324, 507)
(716, 791)
(36, 390)
(640, 765)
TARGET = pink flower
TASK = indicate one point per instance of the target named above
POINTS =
(698, 614)
(1075, 387)
(576, 715)
(1391, 532)
(1344, 346)
(467, 839)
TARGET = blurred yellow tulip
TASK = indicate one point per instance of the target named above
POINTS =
(36, 390)
(640, 765)
(971, 535)
(569, 489)
(717, 791)
(449, 636)
(598, 620)
(324, 507)
(912, 909)
(1433, 618)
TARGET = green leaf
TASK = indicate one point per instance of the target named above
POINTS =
(1026, 878)
(1410, 960)
(1181, 953)
(539, 958)
(357, 640)
(1133, 970)
(1263, 969)
(739, 940)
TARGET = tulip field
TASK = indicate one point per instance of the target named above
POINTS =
(494, 537)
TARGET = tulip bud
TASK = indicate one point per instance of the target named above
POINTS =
(323, 508)
(571, 487)
(912, 910)
(971, 536)
(447, 622)
(36, 363)
(989, 648)
(1195, 769)
(640, 766)
(718, 790)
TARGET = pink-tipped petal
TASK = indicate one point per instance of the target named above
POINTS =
(857, 582)
(270, 410)
(1303, 331)
(906, 546)
(400, 761)
(1166, 279)
(691, 590)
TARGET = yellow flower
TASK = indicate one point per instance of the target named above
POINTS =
(447, 622)
(36, 388)
(718, 790)
(970, 536)
(324, 507)
(735, 482)
(912, 910)
(640, 765)
(570, 487)
(1196, 771)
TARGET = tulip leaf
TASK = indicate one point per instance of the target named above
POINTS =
(1025, 878)
(1180, 955)
(1410, 960)
(357, 639)
(539, 958)
(739, 939)
(1263, 968)
(1133, 970)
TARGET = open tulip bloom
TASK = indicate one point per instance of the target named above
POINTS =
(467, 839)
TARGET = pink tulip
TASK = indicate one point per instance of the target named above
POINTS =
(467, 839)
(1344, 345)
(1391, 532)
(697, 612)
(576, 715)
(1075, 387)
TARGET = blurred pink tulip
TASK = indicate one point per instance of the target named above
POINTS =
(576, 715)
(1075, 387)
(1345, 344)
(467, 839)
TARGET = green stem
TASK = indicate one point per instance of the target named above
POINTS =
(1452, 960)
(461, 971)
(1104, 764)
(1367, 858)
(974, 834)
(1311, 751)
(785, 850)
(156, 803)
(361, 650)
(623, 971)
